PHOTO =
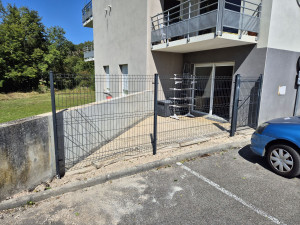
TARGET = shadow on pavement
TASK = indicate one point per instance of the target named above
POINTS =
(248, 155)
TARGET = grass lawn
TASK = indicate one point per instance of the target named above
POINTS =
(15, 106)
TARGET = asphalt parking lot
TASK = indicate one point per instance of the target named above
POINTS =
(231, 187)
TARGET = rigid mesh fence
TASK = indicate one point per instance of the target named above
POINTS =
(192, 107)
(101, 117)
(112, 116)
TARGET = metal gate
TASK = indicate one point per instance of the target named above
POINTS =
(246, 102)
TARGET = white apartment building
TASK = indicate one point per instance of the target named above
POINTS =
(201, 37)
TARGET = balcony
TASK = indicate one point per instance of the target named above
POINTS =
(87, 15)
(203, 25)
(88, 53)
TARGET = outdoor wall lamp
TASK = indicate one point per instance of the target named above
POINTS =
(108, 9)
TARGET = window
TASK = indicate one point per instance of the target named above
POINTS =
(106, 70)
(124, 71)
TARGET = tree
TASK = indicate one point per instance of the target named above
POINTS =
(58, 49)
(2, 11)
(28, 51)
(22, 46)
(74, 62)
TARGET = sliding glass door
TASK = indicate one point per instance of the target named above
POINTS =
(213, 88)
(203, 88)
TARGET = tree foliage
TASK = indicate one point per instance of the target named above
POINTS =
(28, 50)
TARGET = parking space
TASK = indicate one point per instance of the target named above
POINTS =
(231, 187)
(248, 178)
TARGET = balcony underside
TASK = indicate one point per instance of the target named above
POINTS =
(88, 23)
(205, 42)
(89, 59)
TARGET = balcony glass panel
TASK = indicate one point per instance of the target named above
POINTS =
(88, 52)
(87, 12)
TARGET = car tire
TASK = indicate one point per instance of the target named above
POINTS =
(284, 160)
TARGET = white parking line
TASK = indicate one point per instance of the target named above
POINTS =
(228, 193)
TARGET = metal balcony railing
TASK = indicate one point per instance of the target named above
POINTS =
(196, 17)
(88, 52)
(87, 12)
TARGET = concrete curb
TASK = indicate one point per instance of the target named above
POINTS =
(14, 203)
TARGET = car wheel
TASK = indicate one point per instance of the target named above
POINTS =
(284, 160)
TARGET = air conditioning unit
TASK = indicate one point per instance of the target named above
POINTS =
(163, 108)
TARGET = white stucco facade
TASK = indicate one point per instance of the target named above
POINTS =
(122, 36)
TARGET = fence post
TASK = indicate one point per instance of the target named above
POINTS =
(236, 96)
(259, 97)
(54, 124)
(155, 114)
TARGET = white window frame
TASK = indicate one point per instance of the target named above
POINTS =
(107, 78)
(125, 82)
(212, 77)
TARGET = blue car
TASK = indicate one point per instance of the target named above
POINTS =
(279, 141)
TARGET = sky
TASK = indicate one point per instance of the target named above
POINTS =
(63, 13)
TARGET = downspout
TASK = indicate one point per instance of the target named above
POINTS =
(297, 101)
